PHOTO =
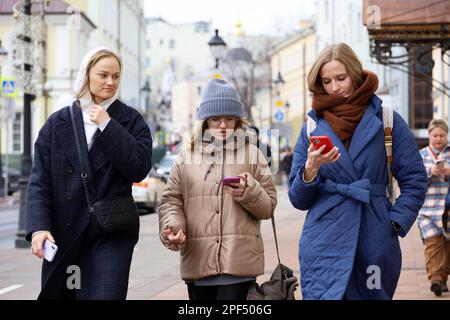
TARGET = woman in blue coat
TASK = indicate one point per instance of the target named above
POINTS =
(116, 148)
(349, 247)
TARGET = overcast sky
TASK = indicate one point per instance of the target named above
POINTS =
(257, 16)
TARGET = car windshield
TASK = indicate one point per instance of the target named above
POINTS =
(166, 163)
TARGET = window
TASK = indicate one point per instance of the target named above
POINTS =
(147, 62)
(201, 27)
(171, 44)
(17, 133)
(199, 90)
(161, 42)
(148, 44)
(420, 89)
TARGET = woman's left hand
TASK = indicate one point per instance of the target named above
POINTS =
(98, 114)
(446, 172)
(237, 189)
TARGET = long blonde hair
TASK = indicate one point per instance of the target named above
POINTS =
(201, 126)
(92, 62)
(341, 52)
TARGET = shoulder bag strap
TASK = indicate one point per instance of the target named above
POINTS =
(388, 123)
(275, 236)
(83, 174)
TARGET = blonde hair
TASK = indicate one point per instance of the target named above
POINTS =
(438, 123)
(92, 62)
(201, 127)
(341, 52)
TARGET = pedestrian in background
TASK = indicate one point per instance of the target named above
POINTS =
(433, 216)
(266, 149)
(217, 226)
(116, 147)
(286, 157)
(349, 247)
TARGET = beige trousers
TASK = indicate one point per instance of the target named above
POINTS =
(437, 258)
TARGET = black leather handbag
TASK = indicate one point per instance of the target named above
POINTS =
(282, 283)
(114, 215)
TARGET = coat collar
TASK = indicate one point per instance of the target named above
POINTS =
(367, 128)
(95, 159)
(64, 133)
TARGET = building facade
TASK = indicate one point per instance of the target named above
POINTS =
(72, 29)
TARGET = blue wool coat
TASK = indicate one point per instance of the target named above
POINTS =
(348, 247)
(120, 155)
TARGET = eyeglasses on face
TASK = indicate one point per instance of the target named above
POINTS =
(216, 121)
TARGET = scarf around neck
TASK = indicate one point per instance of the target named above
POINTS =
(343, 114)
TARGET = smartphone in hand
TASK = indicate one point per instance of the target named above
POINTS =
(440, 163)
(319, 141)
(228, 180)
(49, 250)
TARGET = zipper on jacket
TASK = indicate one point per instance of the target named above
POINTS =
(208, 171)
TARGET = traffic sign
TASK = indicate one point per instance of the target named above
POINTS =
(279, 115)
(8, 87)
(279, 103)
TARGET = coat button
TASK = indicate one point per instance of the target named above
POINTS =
(68, 222)
(217, 211)
(69, 196)
(217, 241)
(69, 169)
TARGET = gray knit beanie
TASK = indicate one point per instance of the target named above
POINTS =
(220, 99)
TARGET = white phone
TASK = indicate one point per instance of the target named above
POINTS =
(49, 250)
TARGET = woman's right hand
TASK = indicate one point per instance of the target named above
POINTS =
(317, 159)
(37, 243)
(435, 171)
(177, 239)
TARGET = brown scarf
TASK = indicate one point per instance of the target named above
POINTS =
(344, 114)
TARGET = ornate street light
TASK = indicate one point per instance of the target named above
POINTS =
(3, 55)
(217, 47)
(279, 81)
(146, 91)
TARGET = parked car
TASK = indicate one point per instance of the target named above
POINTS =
(13, 179)
(147, 193)
(165, 165)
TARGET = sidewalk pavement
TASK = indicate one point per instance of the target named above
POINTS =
(155, 271)
(413, 283)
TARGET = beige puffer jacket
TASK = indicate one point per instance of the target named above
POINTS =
(222, 231)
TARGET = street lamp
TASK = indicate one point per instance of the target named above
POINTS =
(3, 55)
(217, 47)
(146, 91)
(27, 99)
(279, 81)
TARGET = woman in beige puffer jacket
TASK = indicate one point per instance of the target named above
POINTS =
(217, 227)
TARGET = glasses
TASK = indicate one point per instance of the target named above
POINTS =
(228, 121)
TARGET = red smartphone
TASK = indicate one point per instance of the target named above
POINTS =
(227, 180)
(319, 141)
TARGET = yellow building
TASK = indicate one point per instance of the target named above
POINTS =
(293, 59)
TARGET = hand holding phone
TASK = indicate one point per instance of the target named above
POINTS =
(318, 141)
(227, 181)
(49, 250)
(440, 163)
